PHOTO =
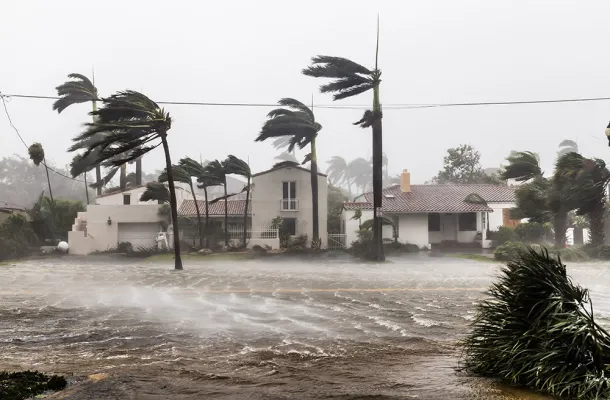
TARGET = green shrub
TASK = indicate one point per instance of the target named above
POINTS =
(538, 330)
(27, 384)
(503, 235)
(533, 232)
(600, 252)
(571, 254)
(125, 247)
(508, 251)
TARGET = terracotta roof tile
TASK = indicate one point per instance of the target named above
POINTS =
(437, 198)
(234, 207)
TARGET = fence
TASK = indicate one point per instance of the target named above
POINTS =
(336, 241)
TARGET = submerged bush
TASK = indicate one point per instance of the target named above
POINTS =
(27, 384)
(571, 254)
(538, 330)
(508, 251)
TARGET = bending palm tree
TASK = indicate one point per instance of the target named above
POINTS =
(350, 79)
(78, 89)
(298, 122)
(218, 170)
(240, 167)
(126, 127)
(36, 152)
(338, 172)
(182, 175)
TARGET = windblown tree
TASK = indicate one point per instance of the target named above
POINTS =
(156, 191)
(79, 89)
(36, 152)
(218, 171)
(239, 167)
(298, 122)
(204, 180)
(182, 175)
(127, 126)
(462, 165)
(350, 79)
(584, 182)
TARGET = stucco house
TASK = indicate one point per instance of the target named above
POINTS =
(284, 190)
(428, 215)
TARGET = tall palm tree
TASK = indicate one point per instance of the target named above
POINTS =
(338, 172)
(298, 122)
(76, 160)
(218, 170)
(239, 167)
(78, 89)
(125, 128)
(522, 166)
(204, 180)
(37, 156)
(584, 183)
(360, 171)
(350, 79)
(181, 175)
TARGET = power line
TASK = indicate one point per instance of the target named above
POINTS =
(357, 107)
(10, 121)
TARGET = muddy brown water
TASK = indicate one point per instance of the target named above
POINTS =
(281, 329)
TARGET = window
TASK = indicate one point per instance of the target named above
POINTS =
(290, 225)
(289, 196)
(467, 221)
(434, 222)
(126, 199)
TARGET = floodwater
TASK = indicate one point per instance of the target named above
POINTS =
(259, 329)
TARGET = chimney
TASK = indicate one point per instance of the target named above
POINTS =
(405, 181)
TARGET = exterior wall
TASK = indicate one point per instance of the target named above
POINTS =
(267, 194)
(183, 191)
(495, 218)
(413, 228)
(101, 236)
(351, 226)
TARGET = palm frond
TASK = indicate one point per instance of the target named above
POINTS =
(78, 90)
(178, 173)
(297, 105)
(337, 170)
(237, 166)
(306, 159)
(155, 191)
(36, 153)
(334, 67)
(523, 166)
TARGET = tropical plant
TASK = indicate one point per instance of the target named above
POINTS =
(358, 216)
(584, 183)
(350, 79)
(522, 166)
(182, 175)
(538, 330)
(218, 171)
(204, 180)
(368, 224)
(239, 167)
(335, 200)
(79, 89)
(125, 128)
(298, 122)
(37, 156)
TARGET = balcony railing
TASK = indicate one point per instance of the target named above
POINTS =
(289, 205)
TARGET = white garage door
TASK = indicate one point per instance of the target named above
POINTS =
(139, 234)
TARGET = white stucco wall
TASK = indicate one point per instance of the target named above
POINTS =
(495, 218)
(100, 235)
(351, 226)
(116, 199)
(267, 194)
(413, 228)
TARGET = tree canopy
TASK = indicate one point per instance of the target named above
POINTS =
(462, 165)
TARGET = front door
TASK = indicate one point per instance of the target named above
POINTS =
(449, 226)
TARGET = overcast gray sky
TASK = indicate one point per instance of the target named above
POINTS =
(432, 51)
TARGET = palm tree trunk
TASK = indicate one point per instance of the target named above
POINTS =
(199, 226)
(173, 203)
(246, 214)
(48, 180)
(226, 216)
(314, 191)
(207, 218)
(123, 177)
(52, 205)
(377, 178)
(139, 172)
(596, 225)
(86, 187)
(559, 226)
(98, 168)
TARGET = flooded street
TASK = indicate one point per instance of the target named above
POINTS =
(254, 329)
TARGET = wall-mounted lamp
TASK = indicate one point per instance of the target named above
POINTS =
(109, 221)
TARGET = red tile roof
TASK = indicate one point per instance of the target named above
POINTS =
(436, 198)
(234, 207)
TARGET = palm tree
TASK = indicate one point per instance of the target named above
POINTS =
(298, 122)
(523, 166)
(125, 128)
(338, 172)
(36, 152)
(358, 216)
(350, 79)
(360, 171)
(182, 175)
(239, 167)
(78, 89)
(584, 184)
(76, 160)
(567, 146)
(218, 171)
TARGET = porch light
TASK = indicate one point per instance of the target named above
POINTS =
(109, 222)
